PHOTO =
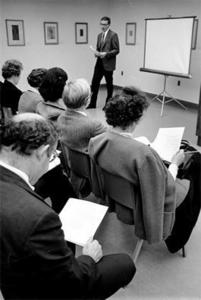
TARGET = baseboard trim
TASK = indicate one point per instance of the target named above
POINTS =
(150, 96)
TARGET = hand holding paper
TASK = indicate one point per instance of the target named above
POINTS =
(178, 158)
(97, 53)
(93, 249)
(80, 220)
(166, 143)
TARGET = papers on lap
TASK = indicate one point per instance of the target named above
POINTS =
(166, 143)
(80, 220)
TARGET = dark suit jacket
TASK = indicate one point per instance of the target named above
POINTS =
(35, 262)
(111, 46)
(10, 96)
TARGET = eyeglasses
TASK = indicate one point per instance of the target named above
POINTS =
(54, 155)
(104, 24)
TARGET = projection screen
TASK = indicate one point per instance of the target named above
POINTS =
(167, 48)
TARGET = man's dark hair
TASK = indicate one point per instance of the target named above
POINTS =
(53, 83)
(36, 76)
(124, 110)
(11, 68)
(106, 19)
(27, 135)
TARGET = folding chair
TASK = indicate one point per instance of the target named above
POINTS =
(78, 163)
(120, 194)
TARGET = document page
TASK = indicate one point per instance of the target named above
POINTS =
(55, 161)
(168, 141)
(80, 220)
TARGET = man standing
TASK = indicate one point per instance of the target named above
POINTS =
(35, 261)
(106, 50)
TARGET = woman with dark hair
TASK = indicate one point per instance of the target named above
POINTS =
(11, 72)
(157, 191)
(54, 184)
(30, 99)
(51, 90)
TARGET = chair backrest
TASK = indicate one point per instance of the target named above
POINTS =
(77, 161)
(80, 163)
(119, 195)
(118, 188)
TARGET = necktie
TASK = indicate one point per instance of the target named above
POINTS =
(102, 39)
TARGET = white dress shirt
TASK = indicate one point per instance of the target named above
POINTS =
(18, 172)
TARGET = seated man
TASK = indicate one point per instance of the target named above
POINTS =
(157, 191)
(76, 126)
(35, 261)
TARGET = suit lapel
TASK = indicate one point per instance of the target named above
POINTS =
(107, 38)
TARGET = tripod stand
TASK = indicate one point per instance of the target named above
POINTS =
(164, 95)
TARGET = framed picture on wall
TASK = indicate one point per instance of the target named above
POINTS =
(51, 35)
(15, 32)
(131, 33)
(81, 33)
(195, 33)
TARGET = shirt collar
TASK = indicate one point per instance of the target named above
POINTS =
(80, 112)
(105, 34)
(20, 173)
(33, 90)
(128, 134)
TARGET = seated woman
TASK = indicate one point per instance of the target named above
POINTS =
(11, 72)
(51, 90)
(157, 191)
(75, 125)
(55, 183)
(30, 99)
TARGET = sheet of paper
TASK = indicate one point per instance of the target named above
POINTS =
(54, 163)
(94, 50)
(80, 220)
(168, 141)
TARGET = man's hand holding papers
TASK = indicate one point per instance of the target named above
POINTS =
(93, 249)
(97, 53)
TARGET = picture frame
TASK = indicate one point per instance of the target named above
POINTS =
(131, 33)
(194, 36)
(81, 33)
(51, 33)
(15, 32)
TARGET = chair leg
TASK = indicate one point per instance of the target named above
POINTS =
(137, 249)
(183, 251)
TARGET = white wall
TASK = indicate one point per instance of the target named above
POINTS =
(131, 57)
(78, 60)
